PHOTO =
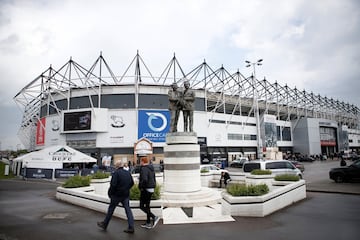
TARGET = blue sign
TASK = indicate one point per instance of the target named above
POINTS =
(153, 125)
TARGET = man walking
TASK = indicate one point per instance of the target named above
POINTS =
(147, 183)
(119, 192)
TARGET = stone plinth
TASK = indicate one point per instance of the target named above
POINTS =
(182, 163)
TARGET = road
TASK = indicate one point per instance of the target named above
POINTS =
(29, 211)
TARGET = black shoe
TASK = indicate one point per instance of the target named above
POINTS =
(146, 225)
(129, 230)
(101, 225)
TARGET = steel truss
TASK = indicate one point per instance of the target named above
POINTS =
(225, 92)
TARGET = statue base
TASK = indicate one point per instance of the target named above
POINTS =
(182, 183)
(182, 163)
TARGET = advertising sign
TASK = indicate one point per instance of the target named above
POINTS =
(270, 131)
(66, 173)
(327, 136)
(153, 125)
(38, 173)
(53, 136)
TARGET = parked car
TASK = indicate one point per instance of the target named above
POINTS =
(216, 163)
(211, 169)
(298, 165)
(355, 157)
(277, 167)
(305, 159)
(350, 156)
(239, 162)
(346, 174)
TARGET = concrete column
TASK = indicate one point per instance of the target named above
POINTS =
(182, 163)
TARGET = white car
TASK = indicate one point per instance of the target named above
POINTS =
(211, 169)
(277, 167)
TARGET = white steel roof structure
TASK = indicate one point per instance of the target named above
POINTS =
(229, 93)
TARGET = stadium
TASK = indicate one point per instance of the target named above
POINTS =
(110, 116)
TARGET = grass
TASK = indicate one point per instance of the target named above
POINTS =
(2, 172)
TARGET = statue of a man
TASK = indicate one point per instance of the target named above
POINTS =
(187, 102)
(174, 106)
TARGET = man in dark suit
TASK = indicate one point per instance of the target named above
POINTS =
(119, 192)
(188, 99)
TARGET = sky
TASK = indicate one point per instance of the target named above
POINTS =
(310, 45)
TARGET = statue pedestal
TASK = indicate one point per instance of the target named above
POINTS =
(182, 183)
(182, 163)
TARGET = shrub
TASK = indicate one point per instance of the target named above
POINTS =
(135, 193)
(287, 177)
(260, 172)
(77, 181)
(257, 190)
(244, 190)
(100, 175)
(237, 190)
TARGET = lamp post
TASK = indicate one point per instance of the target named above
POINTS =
(256, 106)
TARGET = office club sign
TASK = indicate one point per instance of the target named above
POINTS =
(61, 155)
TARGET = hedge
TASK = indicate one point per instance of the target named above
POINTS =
(247, 190)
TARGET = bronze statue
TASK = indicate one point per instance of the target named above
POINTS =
(174, 106)
(181, 101)
(187, 103)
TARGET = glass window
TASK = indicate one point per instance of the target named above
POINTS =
(278, 132)
(270, 165)
(289, 165)
(114, 101)
(286, 134)
(249, 137)
(281, 165)
(83, 102)
(234, 136)
(60, 104)
(155, 101)
(251, 166)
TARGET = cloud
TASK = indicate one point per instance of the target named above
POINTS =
(311, 45)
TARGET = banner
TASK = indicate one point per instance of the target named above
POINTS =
(40, 132)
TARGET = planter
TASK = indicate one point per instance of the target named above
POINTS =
(260, 179)
(101, 186)
(238, 176)
(86, 197)
(282, 183)
(205, 179)
(264, 205)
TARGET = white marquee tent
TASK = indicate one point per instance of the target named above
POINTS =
(53, 157)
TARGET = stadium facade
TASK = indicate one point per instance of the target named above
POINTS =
(124, 116)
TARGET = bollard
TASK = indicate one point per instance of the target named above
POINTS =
(6, 170)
